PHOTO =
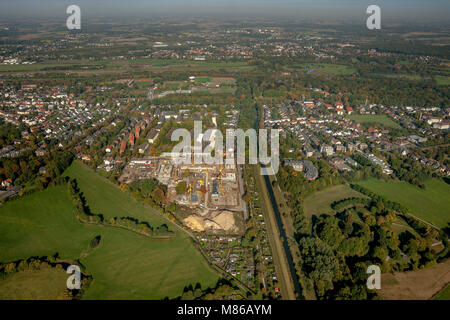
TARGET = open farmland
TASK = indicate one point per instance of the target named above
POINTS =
(124, 266)
(326, 68)
(103, 197)
(444, 294)
(374, 119)
(415, 285)
(84, 66)
(320, 202)
(431, 204)
(44, 284)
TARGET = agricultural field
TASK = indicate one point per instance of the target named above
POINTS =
(381, 119)
(44, 284)
(143, 83)
(431, 204)
(411, 77)
(125, 265)
(320, 202)
(175, 85)
(442, 80)
(202, 80)
(83, 66)
(444, 294)
(416, 285)
(103, 197)
(326, 68)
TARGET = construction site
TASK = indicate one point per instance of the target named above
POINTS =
(211, 196)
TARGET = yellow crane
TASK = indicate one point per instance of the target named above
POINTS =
(190, 195)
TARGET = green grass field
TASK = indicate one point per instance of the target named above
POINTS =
(320, 202)
(114, 66)
(105, 198)
(444, 294)
(412, 77)
(125, 265)
(333, 69)
(382, 119)
(175, 85)
(442, 80)
(44, 284)
(431, 204)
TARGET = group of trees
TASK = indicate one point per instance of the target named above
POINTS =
(408, 170)
(150, 191)
(299, 187)
(392, 89)
(380, 200)
(340, 248)
(24, 170)
(341, 204)
(335, 251)
(85, 215)
(34, 263)
(223, 290)
(40, 263)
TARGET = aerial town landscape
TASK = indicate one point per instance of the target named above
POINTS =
(89, 176)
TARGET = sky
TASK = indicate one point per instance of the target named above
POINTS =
(333, 10)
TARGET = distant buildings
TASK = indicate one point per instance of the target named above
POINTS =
(339, 164)
(417, 139)
(131, 139)
(326, 149)
(311, 172)
(143, 147)
(153, 135)
(41, 152)
(378, 161)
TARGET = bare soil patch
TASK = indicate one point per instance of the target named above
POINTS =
(415, 285)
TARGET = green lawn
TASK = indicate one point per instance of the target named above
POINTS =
(442, 80)
(382, 119)
(175, 85)
(444, 294)
(202, 80)
(413, 77)
(105, 198)
(431, 204)
(125, 265)
(42, 224)
(44, 284)
(334, 69)
(123, 65)
(320, 202)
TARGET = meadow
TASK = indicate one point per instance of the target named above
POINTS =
(422, 284)
(44, 284)
(381, 119)
(431, 204)
(113, 66)
(320, 202)
(442, 80)
(103, 197)
(327, 68)
(444, 294)
(125, 265)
